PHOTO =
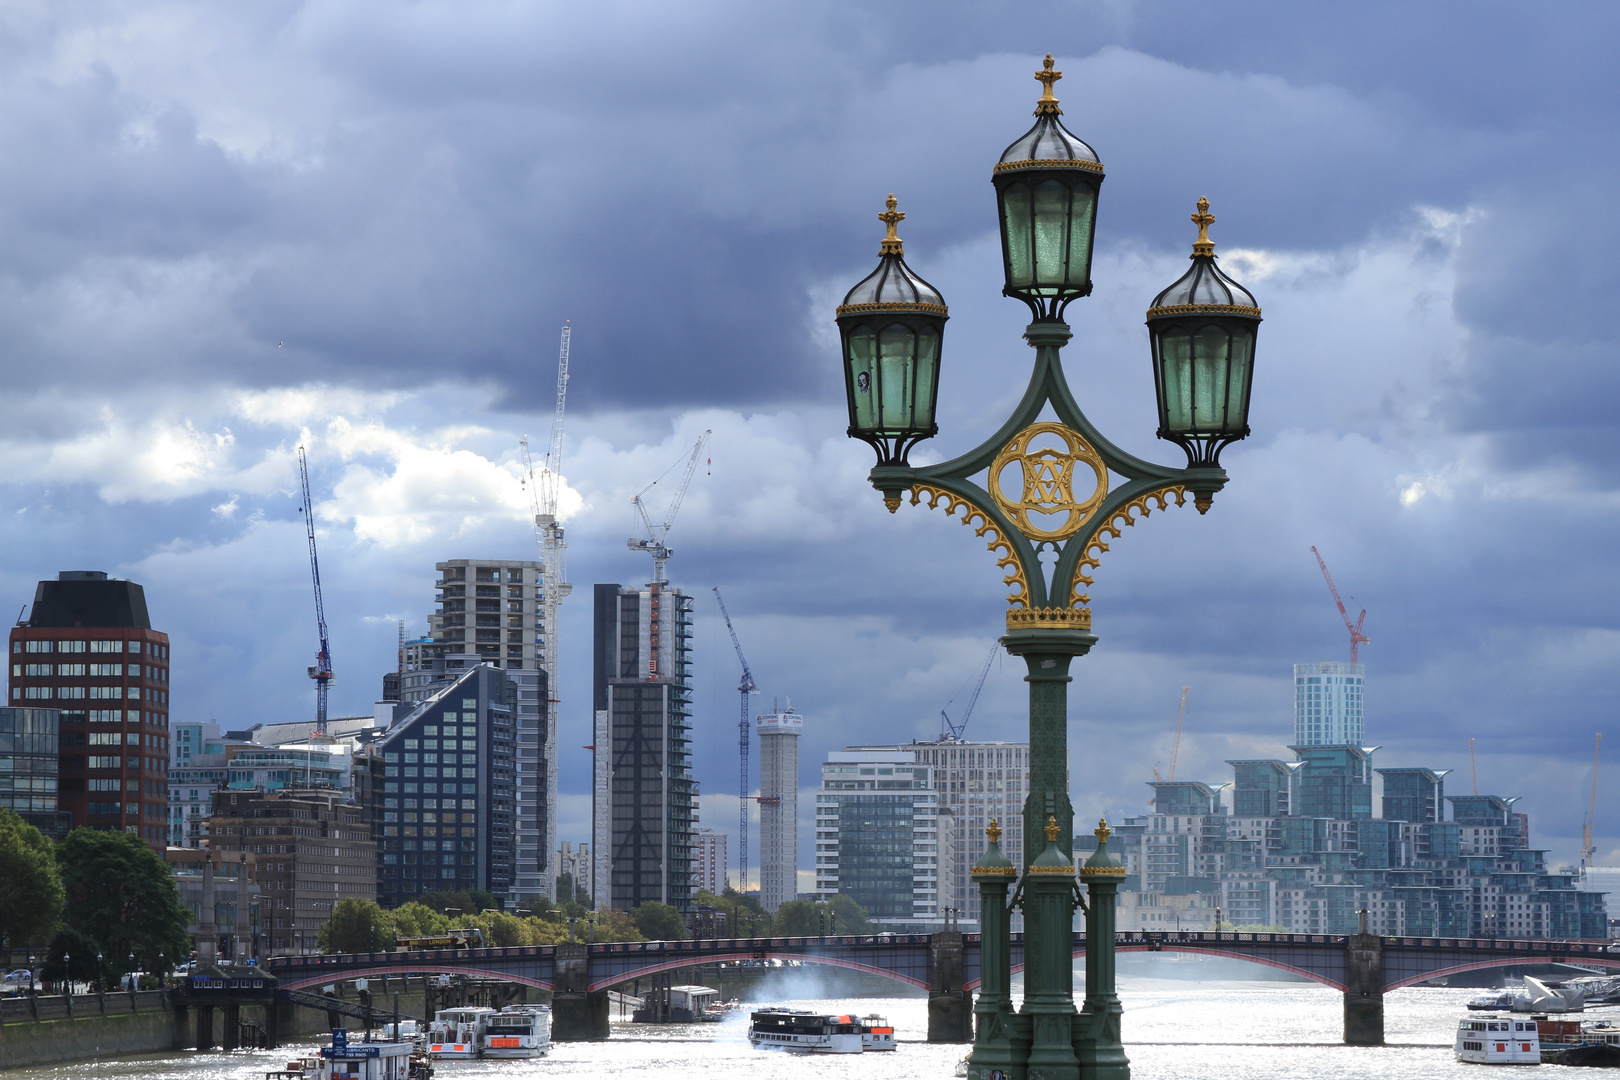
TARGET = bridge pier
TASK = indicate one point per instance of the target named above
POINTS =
(205, 1026)
(1364, 989)
(950, 1008)
(578, 1013)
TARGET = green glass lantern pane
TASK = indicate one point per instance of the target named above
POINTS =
(927, 359)
(1237, 391)
(1082, 216)
(897, 349)
(862, 361)
(1051, 234)
(1015, 212)
(1210, 365)
(1175, 361)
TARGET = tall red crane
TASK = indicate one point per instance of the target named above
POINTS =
(1357, 638)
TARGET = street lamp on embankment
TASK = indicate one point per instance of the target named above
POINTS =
(1059, 489)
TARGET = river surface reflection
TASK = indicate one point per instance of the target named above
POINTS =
(1175, 1028)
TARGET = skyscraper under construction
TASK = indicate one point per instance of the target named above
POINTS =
(644, 809)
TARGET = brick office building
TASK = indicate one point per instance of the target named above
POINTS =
(89, 651)
(308, 850)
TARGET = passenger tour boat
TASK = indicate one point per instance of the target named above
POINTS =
(1498, 1040)
(517, 1031)
(805, 1032)
(455, 1033)
(876, 1033)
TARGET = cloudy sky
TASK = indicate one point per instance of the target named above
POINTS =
(226, 230)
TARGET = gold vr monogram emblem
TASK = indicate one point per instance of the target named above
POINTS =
(1046, 481)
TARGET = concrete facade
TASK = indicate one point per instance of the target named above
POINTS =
(778, 807)
(709, 862)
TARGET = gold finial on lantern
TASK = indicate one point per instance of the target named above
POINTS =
(1052, 829)
(1046, 76)
(994, 831)
(1102, 831)
(1203, 219)
(892, 218)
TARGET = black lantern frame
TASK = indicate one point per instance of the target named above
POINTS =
(892, 328)
(1047, 185)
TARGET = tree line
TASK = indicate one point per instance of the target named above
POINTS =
(105, 902)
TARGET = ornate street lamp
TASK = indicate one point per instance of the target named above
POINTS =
(1202, 329)
(1048, 496)
(1046, 189)
(891, 325)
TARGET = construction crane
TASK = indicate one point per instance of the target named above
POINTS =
(1473, 770)
(952, 729)
(745, 686)
(1588, 848)
(656, 534)
(544, 492)
(321, 672)
(1181, 717)
(1357, 638)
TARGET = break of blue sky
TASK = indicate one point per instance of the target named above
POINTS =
(226, 229)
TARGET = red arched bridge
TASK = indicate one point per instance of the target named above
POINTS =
(1361, 966)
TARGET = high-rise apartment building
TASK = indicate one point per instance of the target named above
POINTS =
(644, 814)
(307, 849)
(89, 651)
(877, 835)
(576, 863)
(975, 781)
(778, 807)
(446, 793)
(489, 612)
(709, 870)
(1328, 704)
(29, 764)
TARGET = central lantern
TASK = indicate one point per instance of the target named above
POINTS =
(1046, 188)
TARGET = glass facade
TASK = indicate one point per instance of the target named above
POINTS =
(446, 792)
(1328, 709)
(28, 772)
(882, 838)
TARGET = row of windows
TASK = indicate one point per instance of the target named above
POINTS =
(79, 693)
(95, 671)
(150, 648)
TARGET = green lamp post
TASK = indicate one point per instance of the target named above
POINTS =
(1057, 489)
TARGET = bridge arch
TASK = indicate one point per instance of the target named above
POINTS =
(710, 958)
(428, 968)
(1496, 962)
(1169, 946)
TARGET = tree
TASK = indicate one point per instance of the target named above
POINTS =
(852, 918)
(121, 894)
(744, 917)
(356, 926)
(465, 903)
(72, 956)
(417, 920)
(30, 884)
(568, 892)
(659, 922)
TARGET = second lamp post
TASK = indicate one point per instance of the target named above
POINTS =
(1062, 490)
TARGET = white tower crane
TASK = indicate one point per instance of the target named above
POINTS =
(657, 534)
(544, 491)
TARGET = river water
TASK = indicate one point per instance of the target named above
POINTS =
(1175, 1028)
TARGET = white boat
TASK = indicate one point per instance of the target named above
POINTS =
(344, 1060)
(1498, 1040)
(800, 1032)
(876, 1033)
(454, 1033)
(517, 1031)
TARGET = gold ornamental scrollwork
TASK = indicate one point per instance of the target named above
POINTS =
(997, 544)
(1125, 516)
(1047, 482)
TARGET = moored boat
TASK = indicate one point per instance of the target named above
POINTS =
(517, 1031)
(454, 1034)
(876, 1033)
(345, 1060)
(1498, 1039)
(800, 1032)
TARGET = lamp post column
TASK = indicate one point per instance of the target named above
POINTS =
(993, 1051)
(1097, 1033)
